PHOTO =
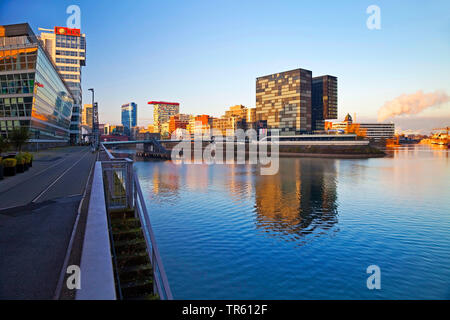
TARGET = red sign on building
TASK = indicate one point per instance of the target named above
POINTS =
(67, 31)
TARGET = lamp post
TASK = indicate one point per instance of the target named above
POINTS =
(93, 123)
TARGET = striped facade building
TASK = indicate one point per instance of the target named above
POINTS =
(284, 101)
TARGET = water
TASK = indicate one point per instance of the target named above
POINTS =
(309, 232)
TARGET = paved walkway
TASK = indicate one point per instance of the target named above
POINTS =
(38, 209)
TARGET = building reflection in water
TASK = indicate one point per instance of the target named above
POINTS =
(299, 200)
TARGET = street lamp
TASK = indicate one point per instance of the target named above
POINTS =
(93, 123)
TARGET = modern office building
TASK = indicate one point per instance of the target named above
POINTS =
(86, 115)
(378, 131)
(236, 117)
(324, 101)
(117, 130)
(67, 48)
(373, 131)
(162, 112)
(129, 117)
(284, 101)
(178, 121)
(33, 92)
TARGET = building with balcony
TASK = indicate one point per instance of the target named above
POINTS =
(162, 112)
(33, 93)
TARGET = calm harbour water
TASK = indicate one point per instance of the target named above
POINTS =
(309, 232)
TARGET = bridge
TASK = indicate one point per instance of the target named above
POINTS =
(150, 141)
(152, 147)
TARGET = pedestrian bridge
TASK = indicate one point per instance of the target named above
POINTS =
(138, 141)
(152, 146)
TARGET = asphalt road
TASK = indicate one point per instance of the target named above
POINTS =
(37, 213)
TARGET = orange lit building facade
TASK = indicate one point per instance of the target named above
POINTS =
(33, 94)
(178, 121)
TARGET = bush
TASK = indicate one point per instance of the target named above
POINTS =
(20, 159)
(28, 157)
(9, 162)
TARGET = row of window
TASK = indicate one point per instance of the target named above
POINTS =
(15, 107)
(15, 87)
(16, 76)
(65, 68)
(69, 38)
(70, 45)
(69, 53)
(17, 60)
(45, 132)
(71, 76)
(12, 124)
(64, 60)
(17, 83)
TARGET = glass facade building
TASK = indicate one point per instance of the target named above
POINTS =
(129, 117)
(33, 94)
(67, 48)
(324, 100)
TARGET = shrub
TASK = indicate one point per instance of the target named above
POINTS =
(28, 157)
(20, 159)
(9, 162)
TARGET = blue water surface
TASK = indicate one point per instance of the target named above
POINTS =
(308, 232)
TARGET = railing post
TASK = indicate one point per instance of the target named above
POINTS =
(129, 183)
(154, 266)
(135, 196)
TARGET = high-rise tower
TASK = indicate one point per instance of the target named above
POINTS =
(67, 47)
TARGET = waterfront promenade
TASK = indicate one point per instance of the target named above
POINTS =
(38, 210)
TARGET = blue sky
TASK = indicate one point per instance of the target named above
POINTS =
(207, 54)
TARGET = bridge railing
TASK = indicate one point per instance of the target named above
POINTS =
(160, 282)
(124, 192)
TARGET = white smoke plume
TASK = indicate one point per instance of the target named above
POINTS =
(411, 104)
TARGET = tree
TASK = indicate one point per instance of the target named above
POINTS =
(19, 136)
(4, 144)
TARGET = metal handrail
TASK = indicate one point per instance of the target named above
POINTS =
(110, 156)
(161, 282)
(136, 200)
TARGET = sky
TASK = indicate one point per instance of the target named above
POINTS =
(206, 55)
